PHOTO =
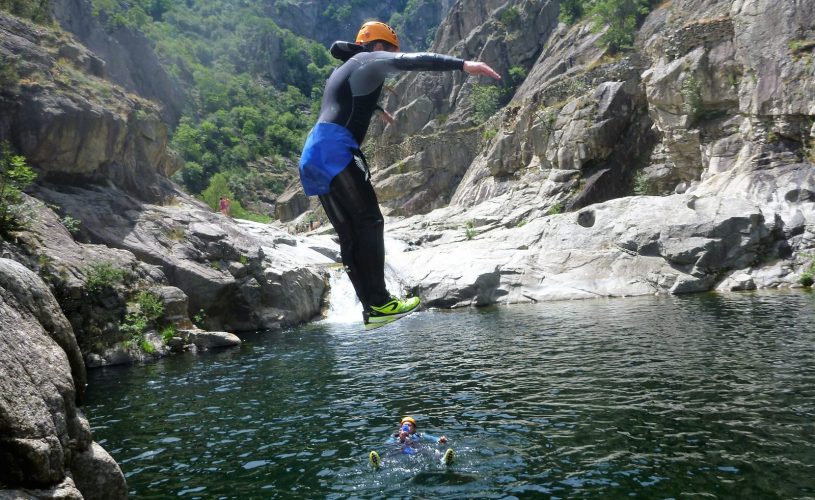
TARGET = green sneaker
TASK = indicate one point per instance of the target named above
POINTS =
(448, 456)
(373, 457)
(391, 310)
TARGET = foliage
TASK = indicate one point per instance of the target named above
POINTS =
(150, 305)
(490, 134)
(548, 117)
(509, 16)
(517, 75)
(132, 14)
(15, 175)
(808, 276)
(234, 132)
(555, 209)
(469, 230)
(200, 318)
(167, 333)
(43, 260)
(620, 18)
(571, 11)
(640, 183)
(134, 326)
(431, 35)
(219, 186)
(101, 276)
(692, 96)
(147, 346)
(252, 87)
(38, 11)
(800, 45)
(399, 22)
(71, 224)
(488, 98)
(486, 101)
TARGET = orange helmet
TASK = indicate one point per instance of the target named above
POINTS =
(376, 30)
(408, 419)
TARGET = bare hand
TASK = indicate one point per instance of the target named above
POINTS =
(479, 68)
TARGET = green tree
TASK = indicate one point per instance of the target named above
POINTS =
(622, 18)
(15, 175)
(571, 10)
(486, 101)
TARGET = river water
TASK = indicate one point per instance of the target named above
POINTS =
(708, 396)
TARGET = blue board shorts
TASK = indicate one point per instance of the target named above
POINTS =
(329, 149)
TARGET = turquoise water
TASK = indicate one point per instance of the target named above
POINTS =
(709, 396)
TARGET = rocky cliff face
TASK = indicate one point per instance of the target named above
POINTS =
(102, 159)
(711, 114)
(426, 153)
(104, 226)
(45, 441)
(128, 58)
(72, 124)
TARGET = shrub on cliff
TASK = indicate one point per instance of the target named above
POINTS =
(38, 11)
(15, 175)
(621, 17)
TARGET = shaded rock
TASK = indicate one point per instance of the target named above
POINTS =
(291, 203)
(68, 266)
(43, 432)
(204, 340)
(97, 475)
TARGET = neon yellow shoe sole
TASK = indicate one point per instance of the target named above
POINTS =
(373, 457)
(448, 457)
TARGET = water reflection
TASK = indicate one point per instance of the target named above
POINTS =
(654, 396)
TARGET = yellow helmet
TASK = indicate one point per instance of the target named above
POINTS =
(376, 30)
(409, 420)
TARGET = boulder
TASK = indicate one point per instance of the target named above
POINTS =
(243, 275)
(632, 246)
(45, 438)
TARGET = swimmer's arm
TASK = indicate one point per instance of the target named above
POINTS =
(430, 437)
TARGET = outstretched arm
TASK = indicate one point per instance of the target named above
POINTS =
(386, 62)
(479, 68)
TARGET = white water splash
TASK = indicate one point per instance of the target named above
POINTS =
(343, 304)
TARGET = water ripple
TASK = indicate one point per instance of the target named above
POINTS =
(710, 395)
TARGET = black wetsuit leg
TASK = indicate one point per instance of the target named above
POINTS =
(353, 210)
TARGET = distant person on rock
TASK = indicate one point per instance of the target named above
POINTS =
(223, 204)
(333, 167)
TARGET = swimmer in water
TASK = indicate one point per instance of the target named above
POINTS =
(408, 439)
